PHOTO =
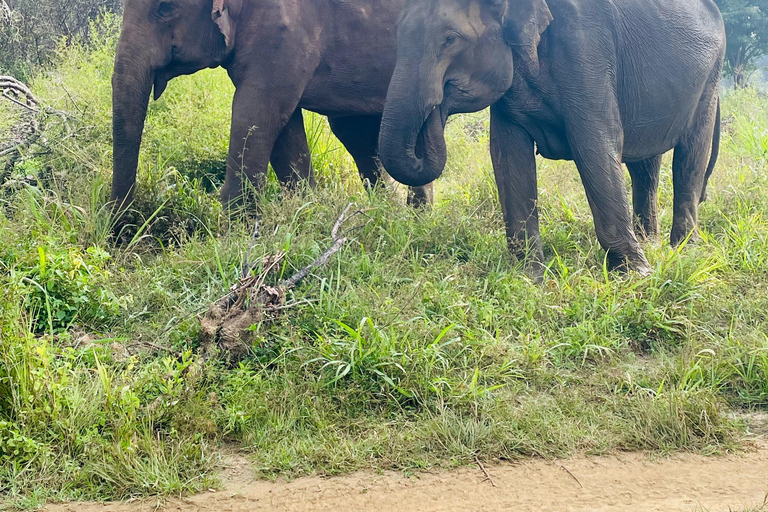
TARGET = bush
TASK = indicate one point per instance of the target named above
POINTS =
(65, 286)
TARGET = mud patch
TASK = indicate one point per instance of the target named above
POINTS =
(636, 482)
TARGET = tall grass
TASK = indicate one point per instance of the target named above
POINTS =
(421, 344)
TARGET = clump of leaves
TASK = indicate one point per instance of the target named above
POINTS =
(64, 286)
(15, 447)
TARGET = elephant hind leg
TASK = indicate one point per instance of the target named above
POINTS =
(645, 196)
(690, 171)
(360, 135)
(290, 158)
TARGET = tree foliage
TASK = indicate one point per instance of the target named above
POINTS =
(746, 27)
(30, 30)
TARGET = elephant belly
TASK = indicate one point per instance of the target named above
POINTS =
(346, 94)
(655, 131)
(551, 141)
(642, 144)
(639, 144)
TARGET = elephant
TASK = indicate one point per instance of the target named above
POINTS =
(328, 56)
(598, 82)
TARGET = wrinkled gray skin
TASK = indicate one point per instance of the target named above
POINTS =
(328, 56)
(594, 81)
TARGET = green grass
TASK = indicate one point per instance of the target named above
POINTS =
(422, 344)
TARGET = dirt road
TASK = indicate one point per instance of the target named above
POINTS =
(627, 482)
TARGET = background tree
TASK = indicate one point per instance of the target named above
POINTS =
(746, 27)
(30, 30)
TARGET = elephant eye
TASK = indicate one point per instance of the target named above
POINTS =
(166, 9)
(450, 40)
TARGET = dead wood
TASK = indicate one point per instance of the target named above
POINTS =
(29, 129)
(227, 326)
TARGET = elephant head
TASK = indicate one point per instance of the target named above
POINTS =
(160, 40)
(453, 56)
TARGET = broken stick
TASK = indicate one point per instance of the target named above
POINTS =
(227, 325)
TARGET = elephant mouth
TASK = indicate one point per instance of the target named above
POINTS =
(159, 86)
(430, 142)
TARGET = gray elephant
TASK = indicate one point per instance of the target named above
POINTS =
(330, 57)
(599, 82)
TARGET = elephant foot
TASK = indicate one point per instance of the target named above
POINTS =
(532, 259)
(647, 234)
(419, 197)
(534, 270)
(679, 237)
(624, 264)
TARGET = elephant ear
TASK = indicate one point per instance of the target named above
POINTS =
(222, 16)
(524, 21)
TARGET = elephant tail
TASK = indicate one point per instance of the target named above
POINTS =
(715, 153)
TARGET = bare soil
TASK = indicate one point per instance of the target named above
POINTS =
(634, 482)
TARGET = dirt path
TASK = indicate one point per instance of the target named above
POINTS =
(627, 482)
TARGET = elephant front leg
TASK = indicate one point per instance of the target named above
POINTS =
(256, 125)
(514, 164)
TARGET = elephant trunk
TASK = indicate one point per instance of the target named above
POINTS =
(131, 86)
(412, 142)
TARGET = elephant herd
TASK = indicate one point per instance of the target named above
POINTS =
(599, 82)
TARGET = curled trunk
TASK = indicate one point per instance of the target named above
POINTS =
(412, 143)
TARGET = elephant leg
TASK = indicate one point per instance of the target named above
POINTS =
(645, 196)
(595, 134)
(256, 125)
(360, 135)
(290, 157)
(597, 147)
(689, 172)
(514, 164)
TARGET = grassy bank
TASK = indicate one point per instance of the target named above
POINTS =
(420, 345)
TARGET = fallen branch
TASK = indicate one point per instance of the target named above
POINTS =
(485, 472)
(227, 326)
(338, 243)
(26, 131)
(14, 90)
(30, 128)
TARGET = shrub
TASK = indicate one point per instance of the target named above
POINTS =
(64, 285)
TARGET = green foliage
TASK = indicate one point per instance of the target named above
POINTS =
(421, 344)
(14, 447)
(746, 28)
(66, 286)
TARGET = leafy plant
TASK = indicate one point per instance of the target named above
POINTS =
(66, 286)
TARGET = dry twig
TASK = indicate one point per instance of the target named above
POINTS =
(572, 475)
(247, 265)
(338, 241)
(30, 128)
(485, 472)
(15, 91)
